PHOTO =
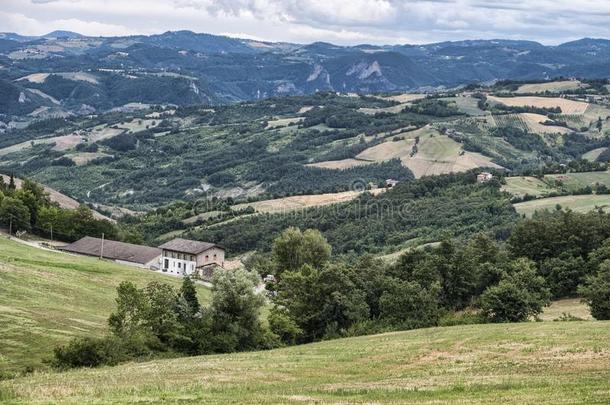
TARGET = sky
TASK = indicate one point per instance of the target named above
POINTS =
(345, 22)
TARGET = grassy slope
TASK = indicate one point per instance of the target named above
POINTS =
(578, 203)
(46, 298)
(536, 362)
(522, 185)
(575, 181)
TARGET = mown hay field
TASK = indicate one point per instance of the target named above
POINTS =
(532, 362)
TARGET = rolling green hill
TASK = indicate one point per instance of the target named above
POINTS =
(535, 362)
(46, 298)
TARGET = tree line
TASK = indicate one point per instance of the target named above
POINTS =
(30, 209)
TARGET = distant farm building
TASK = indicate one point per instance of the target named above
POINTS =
(389, 183)
(125, 253)
(189, 257)
(484, 177)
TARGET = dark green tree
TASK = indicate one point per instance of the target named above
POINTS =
(596, 292)
(517, 297)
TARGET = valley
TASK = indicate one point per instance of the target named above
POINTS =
(321, 202)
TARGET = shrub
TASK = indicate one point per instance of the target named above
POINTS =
(87, 352)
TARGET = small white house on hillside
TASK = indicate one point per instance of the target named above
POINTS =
(187, 257)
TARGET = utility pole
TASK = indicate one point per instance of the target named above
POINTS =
(10, 227)
(102, 248)
(51, 233)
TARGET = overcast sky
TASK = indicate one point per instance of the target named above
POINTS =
(304, 21)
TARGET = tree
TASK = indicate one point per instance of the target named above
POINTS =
(189, 294)
(14, 211)
(11, 184)
(409, 305)
(518, 296)
(596, 292)
(293, 249)
(563, 274)
(235, 310)
(599, 124)
(287, 250)
(132, 310)
(161, 317)
(323, 302)
(316, 250)
(284, 326)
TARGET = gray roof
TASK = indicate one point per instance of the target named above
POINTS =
(188, 246)
(113, 250)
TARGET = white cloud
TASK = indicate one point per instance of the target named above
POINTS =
(341, 21)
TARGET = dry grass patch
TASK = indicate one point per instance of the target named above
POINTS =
(570, 306)
(82, 158)
(557, 86)
(35, 77)
(592, 155)
(404, 98)
(296, 202)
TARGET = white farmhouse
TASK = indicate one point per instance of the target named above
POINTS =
(188, 257)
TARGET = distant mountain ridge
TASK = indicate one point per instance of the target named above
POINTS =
(65, 72)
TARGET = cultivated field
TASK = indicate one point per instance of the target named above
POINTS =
(405, 97)
(573, 181)
(523, 185)
(534, 123)
(339, 164)
(578, 203)
(533, 362)
(436, 153)
(567, 106)
(48, 297)
(558, 86)
(297, 202)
